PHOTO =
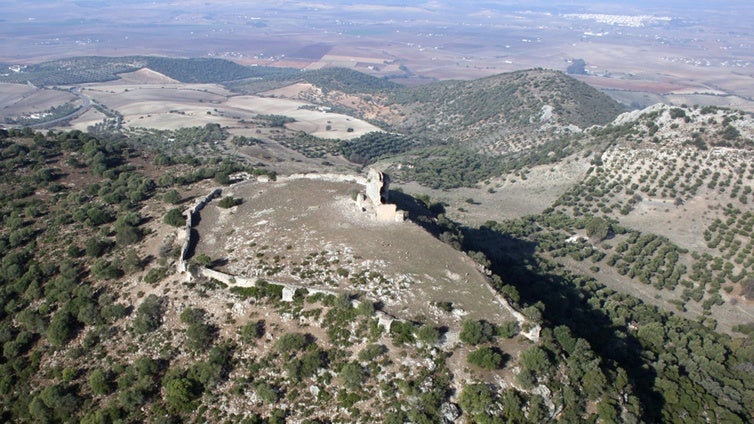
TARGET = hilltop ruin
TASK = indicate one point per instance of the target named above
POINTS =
(375, 201)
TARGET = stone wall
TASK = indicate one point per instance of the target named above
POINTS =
(388, 212)
(192, 215)
(534, 329)
(289, 290)
(335, 178)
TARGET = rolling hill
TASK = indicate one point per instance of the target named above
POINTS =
(637, 270)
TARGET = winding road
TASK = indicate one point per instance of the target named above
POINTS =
(87, 103)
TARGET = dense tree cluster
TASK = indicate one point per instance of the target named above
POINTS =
(631, 344)
(72, 216)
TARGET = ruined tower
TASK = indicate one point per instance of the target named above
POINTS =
(377, 189)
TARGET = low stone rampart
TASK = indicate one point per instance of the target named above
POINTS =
(289, 291)
(335, 178)
(192, 215)
(534, 329)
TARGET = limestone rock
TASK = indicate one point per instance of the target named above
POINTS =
(449, 412)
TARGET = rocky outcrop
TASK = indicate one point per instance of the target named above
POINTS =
(288, 292)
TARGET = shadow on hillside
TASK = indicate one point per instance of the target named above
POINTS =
(418, 213)
(218, 263)
(193, 242)
(565, 297)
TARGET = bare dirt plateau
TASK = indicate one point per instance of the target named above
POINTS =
(311, 232)
(147, 99)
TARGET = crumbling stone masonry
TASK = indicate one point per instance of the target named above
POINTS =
(191, 215)
(377, 191)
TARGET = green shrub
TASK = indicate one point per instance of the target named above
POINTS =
(175, 218)
(353, 375)
(155, 274)
(428, 334)
(371, 351)
(266, 393)
(507, 330)
(253, 330)
(99, 382)
(475, 332)
(172, 197)
(148, 315)
(486, 358)
(229, 202)
(402, 332)
(180, 395)
(62, 327)
(290, 342)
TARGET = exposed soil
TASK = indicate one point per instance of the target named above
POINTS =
(510, 196)
(311, 232)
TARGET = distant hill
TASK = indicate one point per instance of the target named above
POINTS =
(506, 114)
(462, 132)
(347, 81)
(489, 110)
(79, 70)
(202, 70)
(328, 80)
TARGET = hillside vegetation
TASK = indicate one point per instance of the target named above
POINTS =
(466, 131)
(96, 326)
(79, 70)
(514, 99)
(639, 275)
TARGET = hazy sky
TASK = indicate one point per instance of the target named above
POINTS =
(33, 29)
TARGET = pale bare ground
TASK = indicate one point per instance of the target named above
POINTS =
(684, 224)
(511, 196)
(158, 106)
(13, 93)
(727, 315)
(314, 122)
(118, 95)
(146, 76)
(384, 64)
(729, 101)
(293, 91)
(89, 118)
(168, 105)
(316, 226)
(19, 99)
